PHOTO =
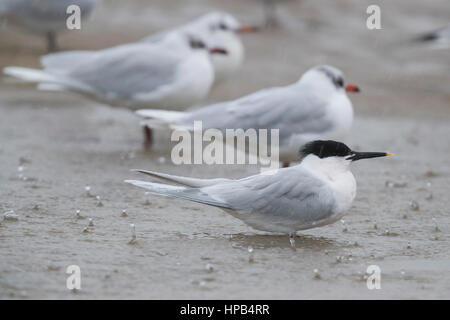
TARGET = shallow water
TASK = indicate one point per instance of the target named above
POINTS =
(53, 145)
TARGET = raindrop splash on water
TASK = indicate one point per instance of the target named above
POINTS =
(87, 189)
(436, 226)
(78, 214)
(10, 216)
(133, 234)
(317, 274)
(344, 229)
(414, 206)
(209, 268)
(251, 257)
(162, 160)
(292, 240)
(99, 201)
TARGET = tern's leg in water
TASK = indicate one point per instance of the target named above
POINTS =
(52, 45)
(286, 164)
(292, 239)
(148, 138)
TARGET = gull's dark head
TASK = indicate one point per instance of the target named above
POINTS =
(329, 148)
(199, 44)
(196, 43)
(225, 22)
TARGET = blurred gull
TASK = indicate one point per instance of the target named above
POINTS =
(218, 29)
(315, 107)
(440, 38)
(44, 17)
(314, 193)
(171, 75)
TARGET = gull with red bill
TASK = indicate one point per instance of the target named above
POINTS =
(173, 74)
(314, 107)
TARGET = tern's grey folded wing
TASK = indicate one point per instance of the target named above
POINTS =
(292, 193)
(291, 110)
(127, 70)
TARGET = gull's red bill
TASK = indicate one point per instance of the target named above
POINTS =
(246, 28)
(352, 88)
(218, 51)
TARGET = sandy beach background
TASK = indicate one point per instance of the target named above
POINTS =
(53, 145)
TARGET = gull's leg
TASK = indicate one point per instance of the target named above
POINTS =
(292, 239)
(148, 138)
(52, 45)
(286, 164)
(271, 19)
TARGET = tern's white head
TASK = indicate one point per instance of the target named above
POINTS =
(327, 79)
(332, 157)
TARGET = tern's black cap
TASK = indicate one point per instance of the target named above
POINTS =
(325, 148)
(330, 148)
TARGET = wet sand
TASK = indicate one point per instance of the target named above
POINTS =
(53, 145)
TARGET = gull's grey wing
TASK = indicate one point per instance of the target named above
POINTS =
(292, 110)
(65, 60)
(125, 71)
(291, 195)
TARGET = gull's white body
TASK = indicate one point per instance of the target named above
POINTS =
(224, 65)
(137, 75)
(314, 193)
(42, 16)
(307, 110)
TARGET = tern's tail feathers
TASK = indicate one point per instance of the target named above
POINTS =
(192, 194)
(63, 60)
(155, 118)
(191, 182)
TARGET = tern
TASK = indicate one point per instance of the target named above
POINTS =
(315, 107)
(314, 193)
(45, 17)
(176, 74)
